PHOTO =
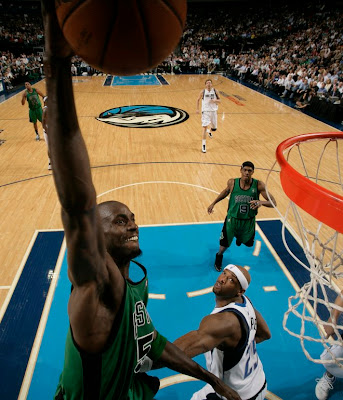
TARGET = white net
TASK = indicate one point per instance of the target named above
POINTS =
(315, 309)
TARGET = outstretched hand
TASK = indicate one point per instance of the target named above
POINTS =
(210, 208)
(55, 43)
(255, 204)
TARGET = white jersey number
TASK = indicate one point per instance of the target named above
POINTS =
(252, 361)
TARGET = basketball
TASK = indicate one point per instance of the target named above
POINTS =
(122, 37)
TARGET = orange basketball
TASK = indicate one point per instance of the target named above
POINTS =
(122, 37)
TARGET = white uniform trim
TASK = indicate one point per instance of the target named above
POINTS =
(239, 275)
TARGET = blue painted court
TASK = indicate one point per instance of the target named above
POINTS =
(136, 80)
(179, 259)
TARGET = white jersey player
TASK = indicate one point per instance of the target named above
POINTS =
(210, 99)
(229, 336)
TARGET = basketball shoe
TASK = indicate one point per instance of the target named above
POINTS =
(323, 387)
(218, 262)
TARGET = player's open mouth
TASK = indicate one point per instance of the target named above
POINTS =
(132, 239)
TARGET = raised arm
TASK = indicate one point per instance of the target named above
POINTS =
(222, 195)
(94, 276)
(70, 160)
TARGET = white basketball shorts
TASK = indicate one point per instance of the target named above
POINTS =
(209, 118)
(333, 368)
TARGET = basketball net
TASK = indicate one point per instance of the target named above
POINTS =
(311, 178)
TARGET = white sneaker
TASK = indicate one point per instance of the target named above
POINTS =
(49, 167)
(203, 149)
(37, 138)
(323, 387)
(210, 134)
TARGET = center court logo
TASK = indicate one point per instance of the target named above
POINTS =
(140, 116)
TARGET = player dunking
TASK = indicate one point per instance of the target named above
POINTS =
(243, 205)
(110, 331)
(210, 99)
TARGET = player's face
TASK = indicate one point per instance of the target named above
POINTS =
(28, 85)
(246, 173)
(227, 285)
(121, 233)
(208, 85)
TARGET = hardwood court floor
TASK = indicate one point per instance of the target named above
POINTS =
(160, 173)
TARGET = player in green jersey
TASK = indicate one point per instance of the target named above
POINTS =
(242, 210)
(110, 331)
(35, 106)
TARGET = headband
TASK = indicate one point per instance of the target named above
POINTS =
(239, 275)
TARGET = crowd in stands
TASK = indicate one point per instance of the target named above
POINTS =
(295, 51)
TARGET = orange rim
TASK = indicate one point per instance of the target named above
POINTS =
(321, 203)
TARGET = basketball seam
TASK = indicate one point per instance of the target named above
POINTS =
(174, 11)
(109, 34)
(72, 9)
(146, 32)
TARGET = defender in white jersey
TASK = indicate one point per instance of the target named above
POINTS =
(209, 105)
(228, 337)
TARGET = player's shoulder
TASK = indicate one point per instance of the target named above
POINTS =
(231, 181)
(260, 184)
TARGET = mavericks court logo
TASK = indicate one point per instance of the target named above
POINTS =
(143, 116)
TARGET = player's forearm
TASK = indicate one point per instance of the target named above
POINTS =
(173, 358)
(67, 148)
(220, 197)
(190, 345)
(266, 203)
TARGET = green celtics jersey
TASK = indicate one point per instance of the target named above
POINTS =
(33, 99)
(239, 206)
(113, 374)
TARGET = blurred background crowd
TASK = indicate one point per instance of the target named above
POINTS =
(292, 50)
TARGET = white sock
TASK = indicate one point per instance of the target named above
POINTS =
(204, 142)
